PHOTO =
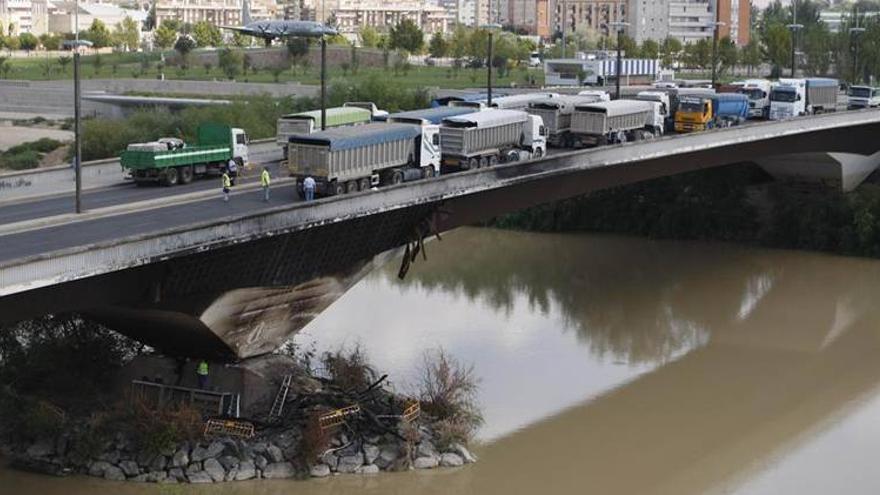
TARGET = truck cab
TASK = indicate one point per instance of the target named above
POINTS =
(695, 113)
(788, 99)
(240, 143)
(663, 113)
(535, 136)
(758, 91)
(862, 97)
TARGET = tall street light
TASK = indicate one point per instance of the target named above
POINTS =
(77, 124)
(491, 30)
(619, 26)
(714, 25)
(794, 27)
(854, 33)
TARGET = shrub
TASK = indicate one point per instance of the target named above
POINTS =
(448, 393)
(22, 160)
(157, 430)
(314, 441)
(349, 370)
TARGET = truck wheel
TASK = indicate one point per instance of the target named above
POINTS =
(473, 163)
(428, 172)
(493, 160)
(364, 184)
(539, 152)
(396, 177)
(169, 177)
(338, 188)
(483, 162)
(351, 186)
(186, 174)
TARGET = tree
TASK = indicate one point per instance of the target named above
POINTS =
(99, 35)
(127, 34)
(166, 34)
(150, 21)
(297, 48)
(50, 41)
(97, 63)
(670, 51)
(817, 48)
(698, 55)
(777, 46)
(207, 34)
(629, 46)
(728, 56)
(11, 42)
(750, 56)
(184, 45)
(650, 49)
(27, 41)
(369, 37)
(438, 46)
(407, 36)
(229, 61)
(239, 40)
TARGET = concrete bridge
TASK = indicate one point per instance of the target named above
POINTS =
(236, 280)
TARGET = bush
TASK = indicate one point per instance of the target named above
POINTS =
(314, 441)
(22, 160)
(157, 430)
(448, 393)
(349, 370)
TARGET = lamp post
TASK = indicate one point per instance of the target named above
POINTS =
(77, 123)
(854, 33)
(323, 82)
(491, 30)
(564, 22)
(715, 25)
(619, 26)
(794, 27)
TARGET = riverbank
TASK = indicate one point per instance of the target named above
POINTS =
(737, 203)
(131, 415)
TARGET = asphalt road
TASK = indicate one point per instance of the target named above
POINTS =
(128, 193)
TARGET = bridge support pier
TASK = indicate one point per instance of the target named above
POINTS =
(840, 170)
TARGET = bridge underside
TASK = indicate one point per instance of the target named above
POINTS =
(247, 297)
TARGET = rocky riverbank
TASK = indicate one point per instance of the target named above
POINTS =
(271, 456)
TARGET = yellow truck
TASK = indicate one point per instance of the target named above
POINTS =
(698, 113)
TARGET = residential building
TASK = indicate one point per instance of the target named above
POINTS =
(736, 16)
(219, 12)
(648, 20)
(352, 15)
(690, 20)
(62, 18)
(521, 14)
(18, 14)
(588, 14)
(542, 19)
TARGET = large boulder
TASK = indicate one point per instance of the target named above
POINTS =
(464, 453)
(261, 462)
(371, 452)
(177, 473)
(159, 463)
(42, 448)
(229, 462)
(98, 468)
(350, 463)
(368, 469)
(199, 477)
(387, 455)
(279, 470)
(246, 471)
(215, 470)
(274, 454)
(426, 449)
(428, 462)
(130, 468)
(113, 473)
(180, 459)
(320, 471)
(451, 460)
(157, 477)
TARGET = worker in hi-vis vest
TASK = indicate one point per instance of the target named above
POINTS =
(202, 374)
(265, 180)
(227, 185)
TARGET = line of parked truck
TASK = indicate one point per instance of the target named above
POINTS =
(365, 147)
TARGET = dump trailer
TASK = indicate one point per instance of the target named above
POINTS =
(698, 113)
(485, 138)
(822, 95)
(426, 116)
(556, 114)
(353, 113)
(607, 122)
(349, 159)
(170, 161)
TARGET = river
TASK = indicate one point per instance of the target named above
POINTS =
(615, 365)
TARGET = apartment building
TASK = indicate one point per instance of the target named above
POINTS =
(736, 16)
(19, 15)
(592, 14)
(352, 15)
(520, 14)
(648, 20)
(220, 12)
(690, 20)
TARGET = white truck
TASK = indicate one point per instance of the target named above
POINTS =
(556, 114)
(598, 94)
(862, 97)
(795, 97)
(510, 102)
(483, 139)
(664, 118)
(758, 91)
(350, 159)
(614, 121)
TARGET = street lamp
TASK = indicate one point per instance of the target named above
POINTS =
(619, 26)
(794, 27)
(854, 32)
(77, 124)
(714, 25)
(491, 30)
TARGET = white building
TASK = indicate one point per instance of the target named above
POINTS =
(219, 12)
(648, 20)
(565, 72)
(352, 15)
(689, 20)
(62, 18)
(18, 14)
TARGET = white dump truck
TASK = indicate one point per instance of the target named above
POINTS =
(351, 113)
(663, 120)
(483, 139)
(556, 114)
(614, 121)
(350, 159)
(508, 102)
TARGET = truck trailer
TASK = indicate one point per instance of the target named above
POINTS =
(170, 161)
(352, 113)
(613, 121)
(698, 113)
(556, 114)
(511, 102)
(434, 115)
(795, 97)
(350, 159)
(485, 138)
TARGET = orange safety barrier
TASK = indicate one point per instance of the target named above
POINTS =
(227, 427)
(337, 417)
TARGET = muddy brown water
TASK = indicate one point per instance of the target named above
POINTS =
(615, 365)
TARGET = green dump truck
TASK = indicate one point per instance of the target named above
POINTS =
(170, 161)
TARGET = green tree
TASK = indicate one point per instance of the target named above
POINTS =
(207, 34)
(750, 55)
(99, 35)
(629, 46)
(777, 46)
(438, 46)
(27, 41)
(728, 56)
(650, 49)
(230, 62)
(239, 40)
(166, 34)
(698, 55)
(97, 63)
(184, 45)
(670, 51)
(407, 36)
(128, 34)
(50, 41)
(817, 47)
(369, 37)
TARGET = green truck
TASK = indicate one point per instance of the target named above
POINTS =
(170, 161)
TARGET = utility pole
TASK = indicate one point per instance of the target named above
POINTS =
(794, 27)
(619, 26)
(854, 33)
(715, 25)
(564, 22)
(489, 71)
(77, 123)
(323, 82)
